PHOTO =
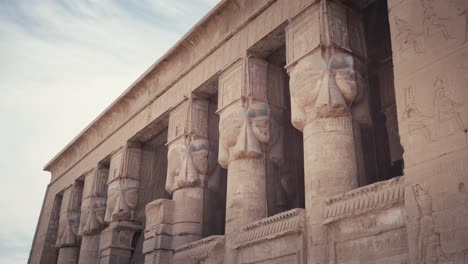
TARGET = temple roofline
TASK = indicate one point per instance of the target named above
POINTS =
(164, 58)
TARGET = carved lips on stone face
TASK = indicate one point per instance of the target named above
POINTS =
(326, 93)
(242, 130)
(188, 164)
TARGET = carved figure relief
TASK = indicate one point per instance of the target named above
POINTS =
(462, 7)
(444, 109)
(429, 250)
(406, 35)
(413, 115)
(243, 130)
(188, 164)
(433, 23)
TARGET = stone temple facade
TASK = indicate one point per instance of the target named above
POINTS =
(278, 131)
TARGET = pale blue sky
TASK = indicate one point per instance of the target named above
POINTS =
(62, 63)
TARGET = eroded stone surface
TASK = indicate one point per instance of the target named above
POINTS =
(147, 181)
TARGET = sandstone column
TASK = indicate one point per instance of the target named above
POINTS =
(122, 197)
(247, 107)
(191, 158)
(67, 238)
(325, 53)
(93, 207)
(430, 55)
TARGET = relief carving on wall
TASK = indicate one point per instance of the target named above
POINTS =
(445, 110)
(423, 26)
(422, 227)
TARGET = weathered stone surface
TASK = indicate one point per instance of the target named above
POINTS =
(146, 182)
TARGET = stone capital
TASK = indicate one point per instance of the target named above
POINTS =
(327, 74)
(93, 205)
(249, 110)
(123, 184)
(188, 144)
(69, 216)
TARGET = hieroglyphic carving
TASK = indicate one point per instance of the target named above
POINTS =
(211, 248)
(462, 8)
(423, 28)
(444, 109)
(288, 222)
(363, 200)
(374, 249)
(303, 34)
(433, 23)
(407, 35)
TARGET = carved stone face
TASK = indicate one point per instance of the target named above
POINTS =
(92, 216)
(242, 130)
(68, 229)
(187, 164)
(323, 93)
(122, 199)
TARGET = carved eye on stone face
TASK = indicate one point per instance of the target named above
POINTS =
(346, 81)
(199, 152)
(345, 76)
(259, 116)
(306, 86)
(230, 130)
(131, 196)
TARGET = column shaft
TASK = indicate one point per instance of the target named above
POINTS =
(246, 193)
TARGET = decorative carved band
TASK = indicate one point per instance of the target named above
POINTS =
(198, 250)
(362, 200)
(272, 227)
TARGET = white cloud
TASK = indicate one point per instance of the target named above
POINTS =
(62, 63)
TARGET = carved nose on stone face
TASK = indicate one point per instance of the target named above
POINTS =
(330, 101)
(92, 223)
(121, 210)
(187, 171)
(247, 143)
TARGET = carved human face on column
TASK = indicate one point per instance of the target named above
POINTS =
(246, 117)
(93, 206)
(188, 145)
(326, 72)
(322, 89)
(69, 216)
(123, 184)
